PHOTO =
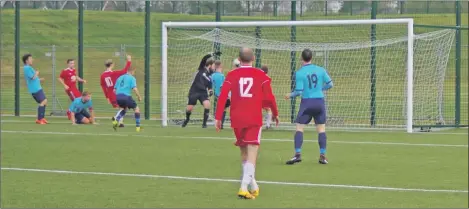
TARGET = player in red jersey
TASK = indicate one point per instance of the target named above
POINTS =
(68, 78)
(265, 104)
(109, 78)
(249, 87)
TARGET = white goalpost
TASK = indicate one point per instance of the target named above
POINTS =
(384, 75)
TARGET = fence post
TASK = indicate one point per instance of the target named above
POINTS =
(401, 7)
(428, 7)
(293, 59)
(147, 59)
(80, 43)
(458, 64)
(258, 50)
(374, 11)
(325, 8)
(249, 8)
(122, 55)
(17, 58)
(54, 86)
(275, 8)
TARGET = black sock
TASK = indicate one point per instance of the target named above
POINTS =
(188, 115)
(206, 112)
(223, 118)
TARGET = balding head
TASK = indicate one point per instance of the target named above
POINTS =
(246, 55)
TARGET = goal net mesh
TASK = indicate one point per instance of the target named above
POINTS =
(369, 71)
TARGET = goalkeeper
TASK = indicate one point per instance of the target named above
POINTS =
(201, 89)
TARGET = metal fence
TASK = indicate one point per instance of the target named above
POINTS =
(48, 29)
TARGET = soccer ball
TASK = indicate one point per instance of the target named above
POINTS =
(236, 62)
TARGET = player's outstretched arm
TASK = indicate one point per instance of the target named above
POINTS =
(269, 95)
(92, 117)
(299, 86)
(137, 93)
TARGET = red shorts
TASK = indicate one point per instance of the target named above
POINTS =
(73, 93)
(112, 98)
(248, 135)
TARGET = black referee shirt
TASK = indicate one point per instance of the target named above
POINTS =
(201, 82)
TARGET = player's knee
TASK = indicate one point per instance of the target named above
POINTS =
(189, 108)
(321, 128)
(300, 127)
(85, 121)
(44, 102)
(137, 110)
(206, 104)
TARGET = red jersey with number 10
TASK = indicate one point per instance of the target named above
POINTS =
(249, 87)
(109, 78)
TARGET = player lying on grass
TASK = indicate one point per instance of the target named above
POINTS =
(198, 91)
(311, 81)
(124, 87)
(249, 87)
(109, 78)
(81, 110)
(217, 81)
(268, 111)
(33, 82)
(68, 78)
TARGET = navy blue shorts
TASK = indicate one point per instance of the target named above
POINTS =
(125, 101)
(227, 104)
(39, 96)
(80, 115)
(312, 108)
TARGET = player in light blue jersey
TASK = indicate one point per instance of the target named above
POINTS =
(33, 83)
(124, 86)
(81, 110)
(311, 80)
(217, 80)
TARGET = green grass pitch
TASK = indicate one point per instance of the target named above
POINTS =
(60, 165)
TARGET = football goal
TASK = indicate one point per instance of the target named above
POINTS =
(385, 76)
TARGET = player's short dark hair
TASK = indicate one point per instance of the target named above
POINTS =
(307, 55)
(26, 57)
(246, 55)
(217, 63)
(209, 62)
(265, 69)
(69, 60)
(108, 63)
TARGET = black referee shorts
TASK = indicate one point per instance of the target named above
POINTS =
(227, 104)
(197, 96)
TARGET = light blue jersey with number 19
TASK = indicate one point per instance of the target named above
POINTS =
(310, 80)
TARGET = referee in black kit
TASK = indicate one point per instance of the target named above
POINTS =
(201, 88)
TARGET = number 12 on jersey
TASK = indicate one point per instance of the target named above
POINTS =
(245, 85)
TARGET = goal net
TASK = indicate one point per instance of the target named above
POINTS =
(370, 62)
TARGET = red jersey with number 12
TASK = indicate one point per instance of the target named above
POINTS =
(109, 78)
(249, 87)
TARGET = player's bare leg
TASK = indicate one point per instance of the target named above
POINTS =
(189, 109)
(206, 105)
(298, 145)
(119, 115)
(137, 119)
(253, 187)
(249, 170)
(85, 121)
(268, 118)
(322, 141)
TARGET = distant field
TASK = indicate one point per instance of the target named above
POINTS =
(104, 35)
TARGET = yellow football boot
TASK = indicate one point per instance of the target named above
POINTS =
(245, 195)
(137, 129)
(254, 193)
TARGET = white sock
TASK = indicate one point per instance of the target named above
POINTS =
(122, 120)
(248, 175)
(253, 184)
(269, 119)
